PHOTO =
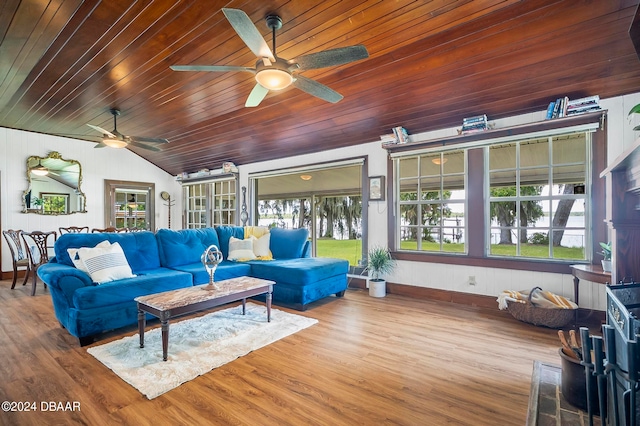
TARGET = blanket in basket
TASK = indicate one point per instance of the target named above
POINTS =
(540, 298)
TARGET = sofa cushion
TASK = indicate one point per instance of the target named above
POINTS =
(288, 243)
(299, 272)
(140, 248)
(184, 247)
(224, 271)
(224, 235)
(125, 290)
(105, 264)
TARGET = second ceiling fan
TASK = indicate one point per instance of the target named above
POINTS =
(115, 139)
(274, 73)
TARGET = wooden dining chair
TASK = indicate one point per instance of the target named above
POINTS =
(110, 229)
(37, 244)
(18, 254)
(73, 229)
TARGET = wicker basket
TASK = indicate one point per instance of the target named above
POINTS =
(527, 312)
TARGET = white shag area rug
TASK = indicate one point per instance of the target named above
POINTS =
(196, 346)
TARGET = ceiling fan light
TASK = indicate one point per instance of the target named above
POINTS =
(40, 171)
(114, 143)
(274, 79)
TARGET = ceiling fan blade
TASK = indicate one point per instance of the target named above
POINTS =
(331, 57)
(100, 145)
(211, 68)
(316, 89)
(147, 140)
(103, 131)
(144, 146)
(248, 33)
(256, 96)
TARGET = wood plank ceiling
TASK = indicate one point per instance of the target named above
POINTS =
(66, 63)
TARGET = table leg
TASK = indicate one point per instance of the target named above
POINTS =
(142, 322)
(576, 289)
(244, 306)
(269, 296)
(165, 338)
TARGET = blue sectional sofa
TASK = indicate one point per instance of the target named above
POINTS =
(168, 260)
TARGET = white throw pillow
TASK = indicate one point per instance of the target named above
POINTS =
(77, 262)
(105, 263)
(261, 247)
(240, 249)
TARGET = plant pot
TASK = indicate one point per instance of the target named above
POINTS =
(606, 265)
(377, 288)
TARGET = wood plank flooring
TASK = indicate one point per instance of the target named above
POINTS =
(369, 361)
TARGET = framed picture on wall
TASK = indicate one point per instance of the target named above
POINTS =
(376, 188)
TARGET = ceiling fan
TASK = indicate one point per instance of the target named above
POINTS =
(115, 139)
(274, 73)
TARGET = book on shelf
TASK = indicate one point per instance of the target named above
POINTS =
(550, 109)
(477, 119)
(478, 123)
(564, 107)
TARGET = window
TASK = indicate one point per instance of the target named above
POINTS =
(129, 204)
(131, 208)
(519, 197)
(537, 197)
(324, 198)
(210, 203)
(432, 203)
(55, 203)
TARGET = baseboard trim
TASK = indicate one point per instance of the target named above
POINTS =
(587, 317)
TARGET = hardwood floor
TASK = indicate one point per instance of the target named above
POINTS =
(391, 360)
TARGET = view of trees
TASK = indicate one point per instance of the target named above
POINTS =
(341, 214)
(505, 212)
(530, 211)
(430, 215)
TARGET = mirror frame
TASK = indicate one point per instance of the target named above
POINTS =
(51, 155)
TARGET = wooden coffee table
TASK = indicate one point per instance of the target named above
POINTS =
(171, 304)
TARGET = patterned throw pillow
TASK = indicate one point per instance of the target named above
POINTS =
(105, 263)
(240, 250)
(77, 262)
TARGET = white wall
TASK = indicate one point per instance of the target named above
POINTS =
(97, 165)
(489, 281)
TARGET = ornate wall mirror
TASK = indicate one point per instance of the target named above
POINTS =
(54, 186)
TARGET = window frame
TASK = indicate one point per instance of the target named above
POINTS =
(548, 199)
(475, 168)
(419, 202)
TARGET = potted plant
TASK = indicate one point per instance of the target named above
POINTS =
(635, 110)
(379, 262)
(606, 256)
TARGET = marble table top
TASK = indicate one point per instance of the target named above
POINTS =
(188, 296)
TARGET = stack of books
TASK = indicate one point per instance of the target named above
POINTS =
(583, 105)
(478, 123)
(399, 135)
(563, 107)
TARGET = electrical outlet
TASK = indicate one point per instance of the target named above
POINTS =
(472, 280)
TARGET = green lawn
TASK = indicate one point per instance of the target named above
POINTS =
(342, 249)
(351, 250)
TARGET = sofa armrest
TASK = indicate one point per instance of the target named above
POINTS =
(64, 279)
